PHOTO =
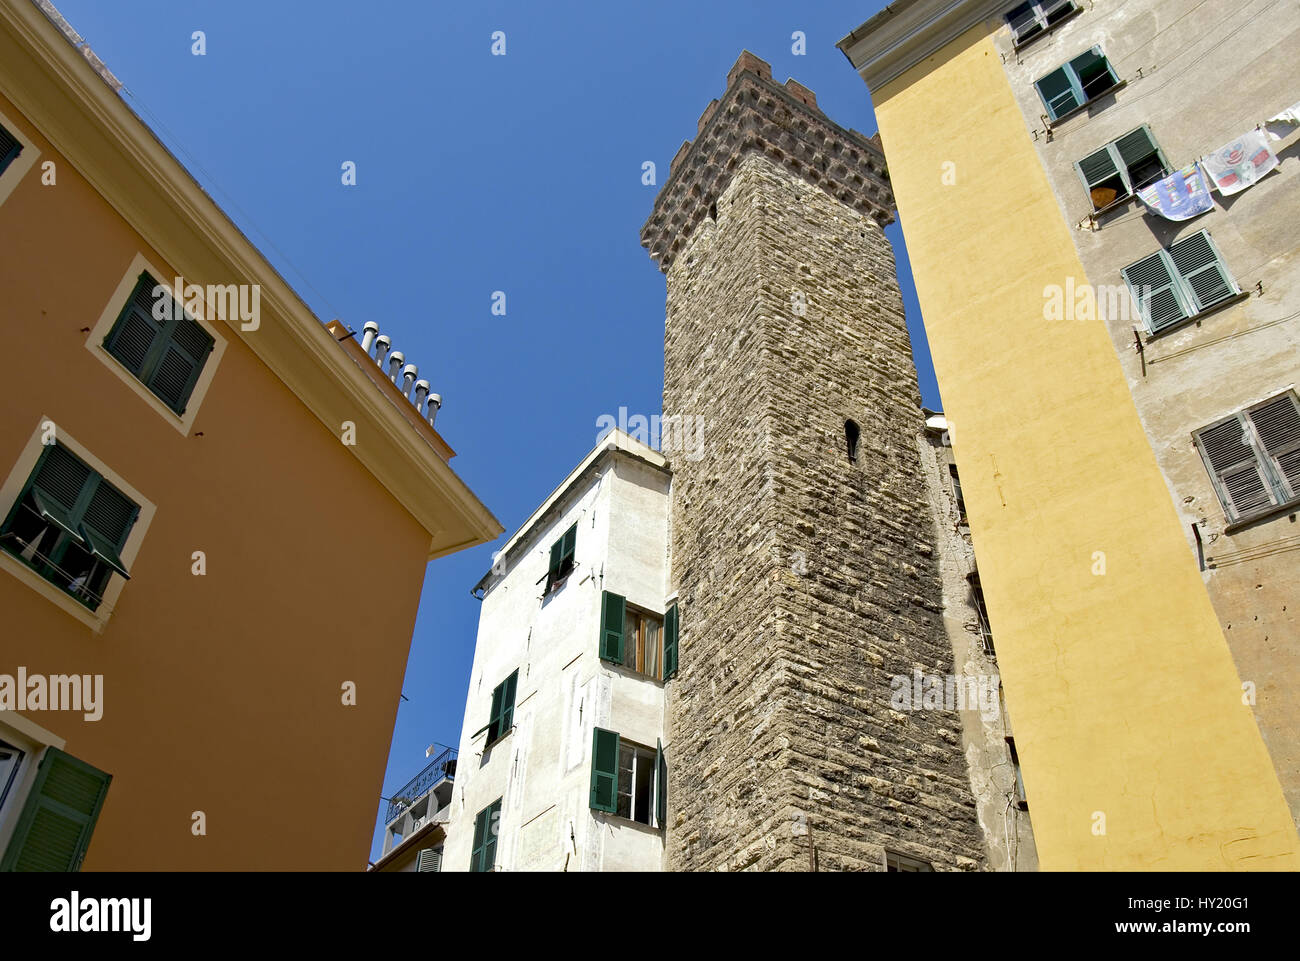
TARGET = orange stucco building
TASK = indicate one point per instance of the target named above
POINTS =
(189, 511)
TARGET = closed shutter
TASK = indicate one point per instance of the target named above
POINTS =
(62, 477)
(1057, 92)
(613, 610)
(59, 817)
(1234, 467)
(110, 514)
(661, 786)
(1204, 276)
(604, 770)
(430, 860)
(1277, 425)
(138, 332)
(181, 363)
(1155, 291)
(10, 148)
(670, 642)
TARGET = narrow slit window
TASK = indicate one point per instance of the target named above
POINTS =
(851, 435)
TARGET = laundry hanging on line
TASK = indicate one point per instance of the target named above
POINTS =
(1180, 196)
(1240, 163)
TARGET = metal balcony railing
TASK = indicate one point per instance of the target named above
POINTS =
(442, 766)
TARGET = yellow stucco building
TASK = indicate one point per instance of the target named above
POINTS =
(1141, 739)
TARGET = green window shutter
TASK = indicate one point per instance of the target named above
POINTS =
(661, 785)
(480, 832)
(670, 642)
(1099, 167)
(494, 719)
(1136, 146)
(570, 545)
(604, 770)
(59, 817)
(491, 828)
(1093, 74)
(1277, 425)
(613, 611)
(110, 514)
(63, 478)
(508, 702)
(1205, 278)
(137, 335)
(1234, 467)
(1151, 281)
(1058, 92)
(553, 568)
(10, 148)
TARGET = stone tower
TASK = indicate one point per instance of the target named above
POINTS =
(805, 572)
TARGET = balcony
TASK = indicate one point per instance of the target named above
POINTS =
(441, 768)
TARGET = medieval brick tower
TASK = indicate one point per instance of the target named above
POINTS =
(802, 547)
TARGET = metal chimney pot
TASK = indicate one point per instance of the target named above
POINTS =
(368, 333)
(421, 392)
(409, 373)
(435, 402)
(382, 343)
(395, 361)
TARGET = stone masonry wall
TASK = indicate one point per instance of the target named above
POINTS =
(806, 581)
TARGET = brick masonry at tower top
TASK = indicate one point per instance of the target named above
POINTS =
(806, 579)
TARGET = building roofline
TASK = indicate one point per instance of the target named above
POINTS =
(907, 31)
(62, 89)
(615, 443)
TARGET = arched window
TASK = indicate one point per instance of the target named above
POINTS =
(851, 433)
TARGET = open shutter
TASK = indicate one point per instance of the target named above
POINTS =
(480, 832)
(1093, 74)
(1152, 284)
(1205, 278)
(62, 477)
(613, 610)
(1100, 172)
(110, 514)
(1024, 22)
(494, 719)
(1234, 468)
(604, 770)
(491, 828)
(1277, 424)
(1057, 92)
(670, 642)
(1136, 148)
(55, 826)
(570, 546)
(661, 786)
(508, 702)
(430, 860)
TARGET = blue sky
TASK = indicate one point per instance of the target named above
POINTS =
(475, 173)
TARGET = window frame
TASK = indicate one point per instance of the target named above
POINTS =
(1045, 27)
(1274, 480)
(1075, 84)
(1180, 286)
(487, 818)
(895, 862)
(563, 559)
(113, 309)
(653, 758)
(1121, 168)
(635, 645)
(501, 715)
(15, 485)
(12, 173)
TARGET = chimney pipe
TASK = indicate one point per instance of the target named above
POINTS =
(409, 373)
(368, 335)
(435, 402)
(395, 361)
(382, 343)
(421, 392)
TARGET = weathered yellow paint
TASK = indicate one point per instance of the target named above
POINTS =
(1122, 692)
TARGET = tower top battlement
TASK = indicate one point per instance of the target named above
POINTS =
(781, 122)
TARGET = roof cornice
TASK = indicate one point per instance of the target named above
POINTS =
(63, 94)
(908, 31)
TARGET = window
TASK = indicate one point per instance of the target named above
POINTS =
(54, 829)
(159, 343)
(430, 860)
(562, 553)
(636, 639)
(69, 524)
(1253, 457)
(483, 855)
(503, 710)
(956, 490)
(1176, 284)
(1076, 83)
(851, 435)
(901, 862)
(628, 780)
(1031, 19)
(1119, 169)
(10, 148)
(981, 614)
